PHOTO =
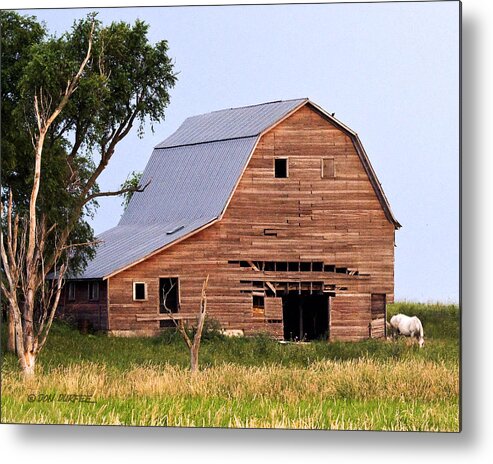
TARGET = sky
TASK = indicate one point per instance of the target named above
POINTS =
(390, 71)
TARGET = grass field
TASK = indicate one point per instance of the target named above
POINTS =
(248, 382)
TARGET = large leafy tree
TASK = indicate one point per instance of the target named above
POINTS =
(77, 97)
(20, 37)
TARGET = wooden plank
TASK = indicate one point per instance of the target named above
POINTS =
(273, 309)
(166, 317)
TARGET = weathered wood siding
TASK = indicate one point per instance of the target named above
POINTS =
(378, 315)
(336, 220)
(86, 313)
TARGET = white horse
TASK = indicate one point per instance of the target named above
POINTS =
(408, 326)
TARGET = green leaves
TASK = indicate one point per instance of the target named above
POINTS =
(132, 182)
(19, 34)
(125, 83)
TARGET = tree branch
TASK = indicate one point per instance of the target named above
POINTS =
(203, 311)
(178, 324)
(11, 235)
(72, 84)
(44, 330)
(106, 153)
(116, 193)
(73, 245)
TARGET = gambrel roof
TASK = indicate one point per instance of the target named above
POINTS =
(192, 176)
(233, 123)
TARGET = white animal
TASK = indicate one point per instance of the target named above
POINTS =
(408, 326)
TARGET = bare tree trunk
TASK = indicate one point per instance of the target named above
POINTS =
(10, 332)
(27, 358)
(194, 360)
(193, 346)
(194, 350)
(23, 257)
(27, 362)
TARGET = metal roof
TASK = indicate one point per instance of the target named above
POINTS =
(122, 246)
(231, 123)
(188, 182)
(189, 188)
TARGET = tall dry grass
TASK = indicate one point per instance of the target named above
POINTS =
(357, 394)
(358, 379)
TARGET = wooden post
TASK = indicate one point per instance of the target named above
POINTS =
(300, 308)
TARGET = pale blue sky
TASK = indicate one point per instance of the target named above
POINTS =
(390, 71)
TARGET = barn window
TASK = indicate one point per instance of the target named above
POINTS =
(140, 291)
(71, 291)
(328, 168)
(93, 291)
(281, 167)
(258, 302)
(258, 306)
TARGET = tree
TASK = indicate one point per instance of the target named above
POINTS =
(18, 34)
(21, 35)
(80, 95)
(192, 341)
(129, 187)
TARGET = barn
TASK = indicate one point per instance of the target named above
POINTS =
(278, 203)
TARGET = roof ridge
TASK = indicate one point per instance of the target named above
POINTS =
(231, 123)
(208, 141)
(251, 106)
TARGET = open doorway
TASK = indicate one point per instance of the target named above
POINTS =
(169, 298)
(305, 316)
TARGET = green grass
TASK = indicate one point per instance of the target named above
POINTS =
(255, 413)
(248, 382)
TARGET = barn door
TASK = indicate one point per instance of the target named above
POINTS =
(169, 298)
(305, 316)
(378, 315)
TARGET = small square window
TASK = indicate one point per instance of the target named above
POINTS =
(258, 302)
(93, 291)
(71, 291)
(328, 168)
(140, 291)
(258, 307)
(281, 167)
